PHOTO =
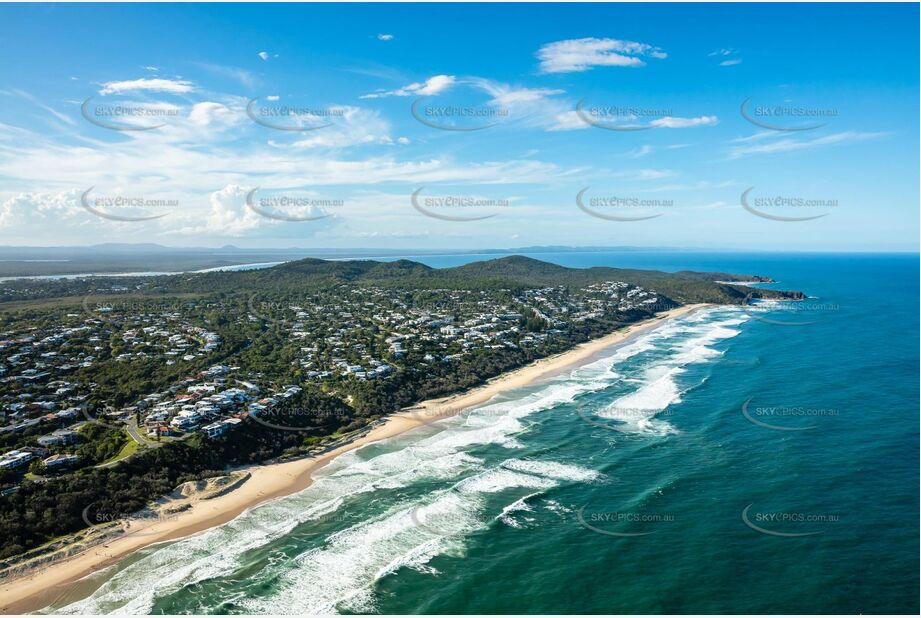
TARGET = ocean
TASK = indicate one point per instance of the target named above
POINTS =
(731, 460)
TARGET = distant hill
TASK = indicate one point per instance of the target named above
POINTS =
(512, 272)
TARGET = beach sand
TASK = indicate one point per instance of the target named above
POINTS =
(42, 586)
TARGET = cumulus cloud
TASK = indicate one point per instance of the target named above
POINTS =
(385, 37)
(228, 215)
(26, 209)
(576, 55)
(174, 86)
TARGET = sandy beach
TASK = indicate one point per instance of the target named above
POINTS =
(42, 586)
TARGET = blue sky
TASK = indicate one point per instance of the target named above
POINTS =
(638, 108)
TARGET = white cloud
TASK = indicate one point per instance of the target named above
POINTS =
(353, 126)
(724, 53)
(792, 144)
(642, 151)
(209, 112)
(575, 55)
(28, 209)
(34, 100)
(700, 185)
(671, 122)
(568, 121)
(264, 55)
(229, 215)
(645, 174)
(241, 75)
(530, 107)
(508, 95)
(433, 85)
(174, 86)
(385, 37)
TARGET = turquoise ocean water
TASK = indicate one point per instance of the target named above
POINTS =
(760, 461)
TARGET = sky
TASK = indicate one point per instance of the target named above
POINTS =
(446, 126)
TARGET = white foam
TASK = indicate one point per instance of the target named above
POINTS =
(343, 572)
(678, 344)
(552, 469)
(506, 516)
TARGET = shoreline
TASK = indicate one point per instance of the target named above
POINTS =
(42, 586)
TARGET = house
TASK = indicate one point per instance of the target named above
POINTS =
(60, 461)
(221, 427)
(186, 420)
(60, 436)
(215, 429)
(16, 459)
(165, 430)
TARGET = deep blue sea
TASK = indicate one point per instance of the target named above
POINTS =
(742, 461)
